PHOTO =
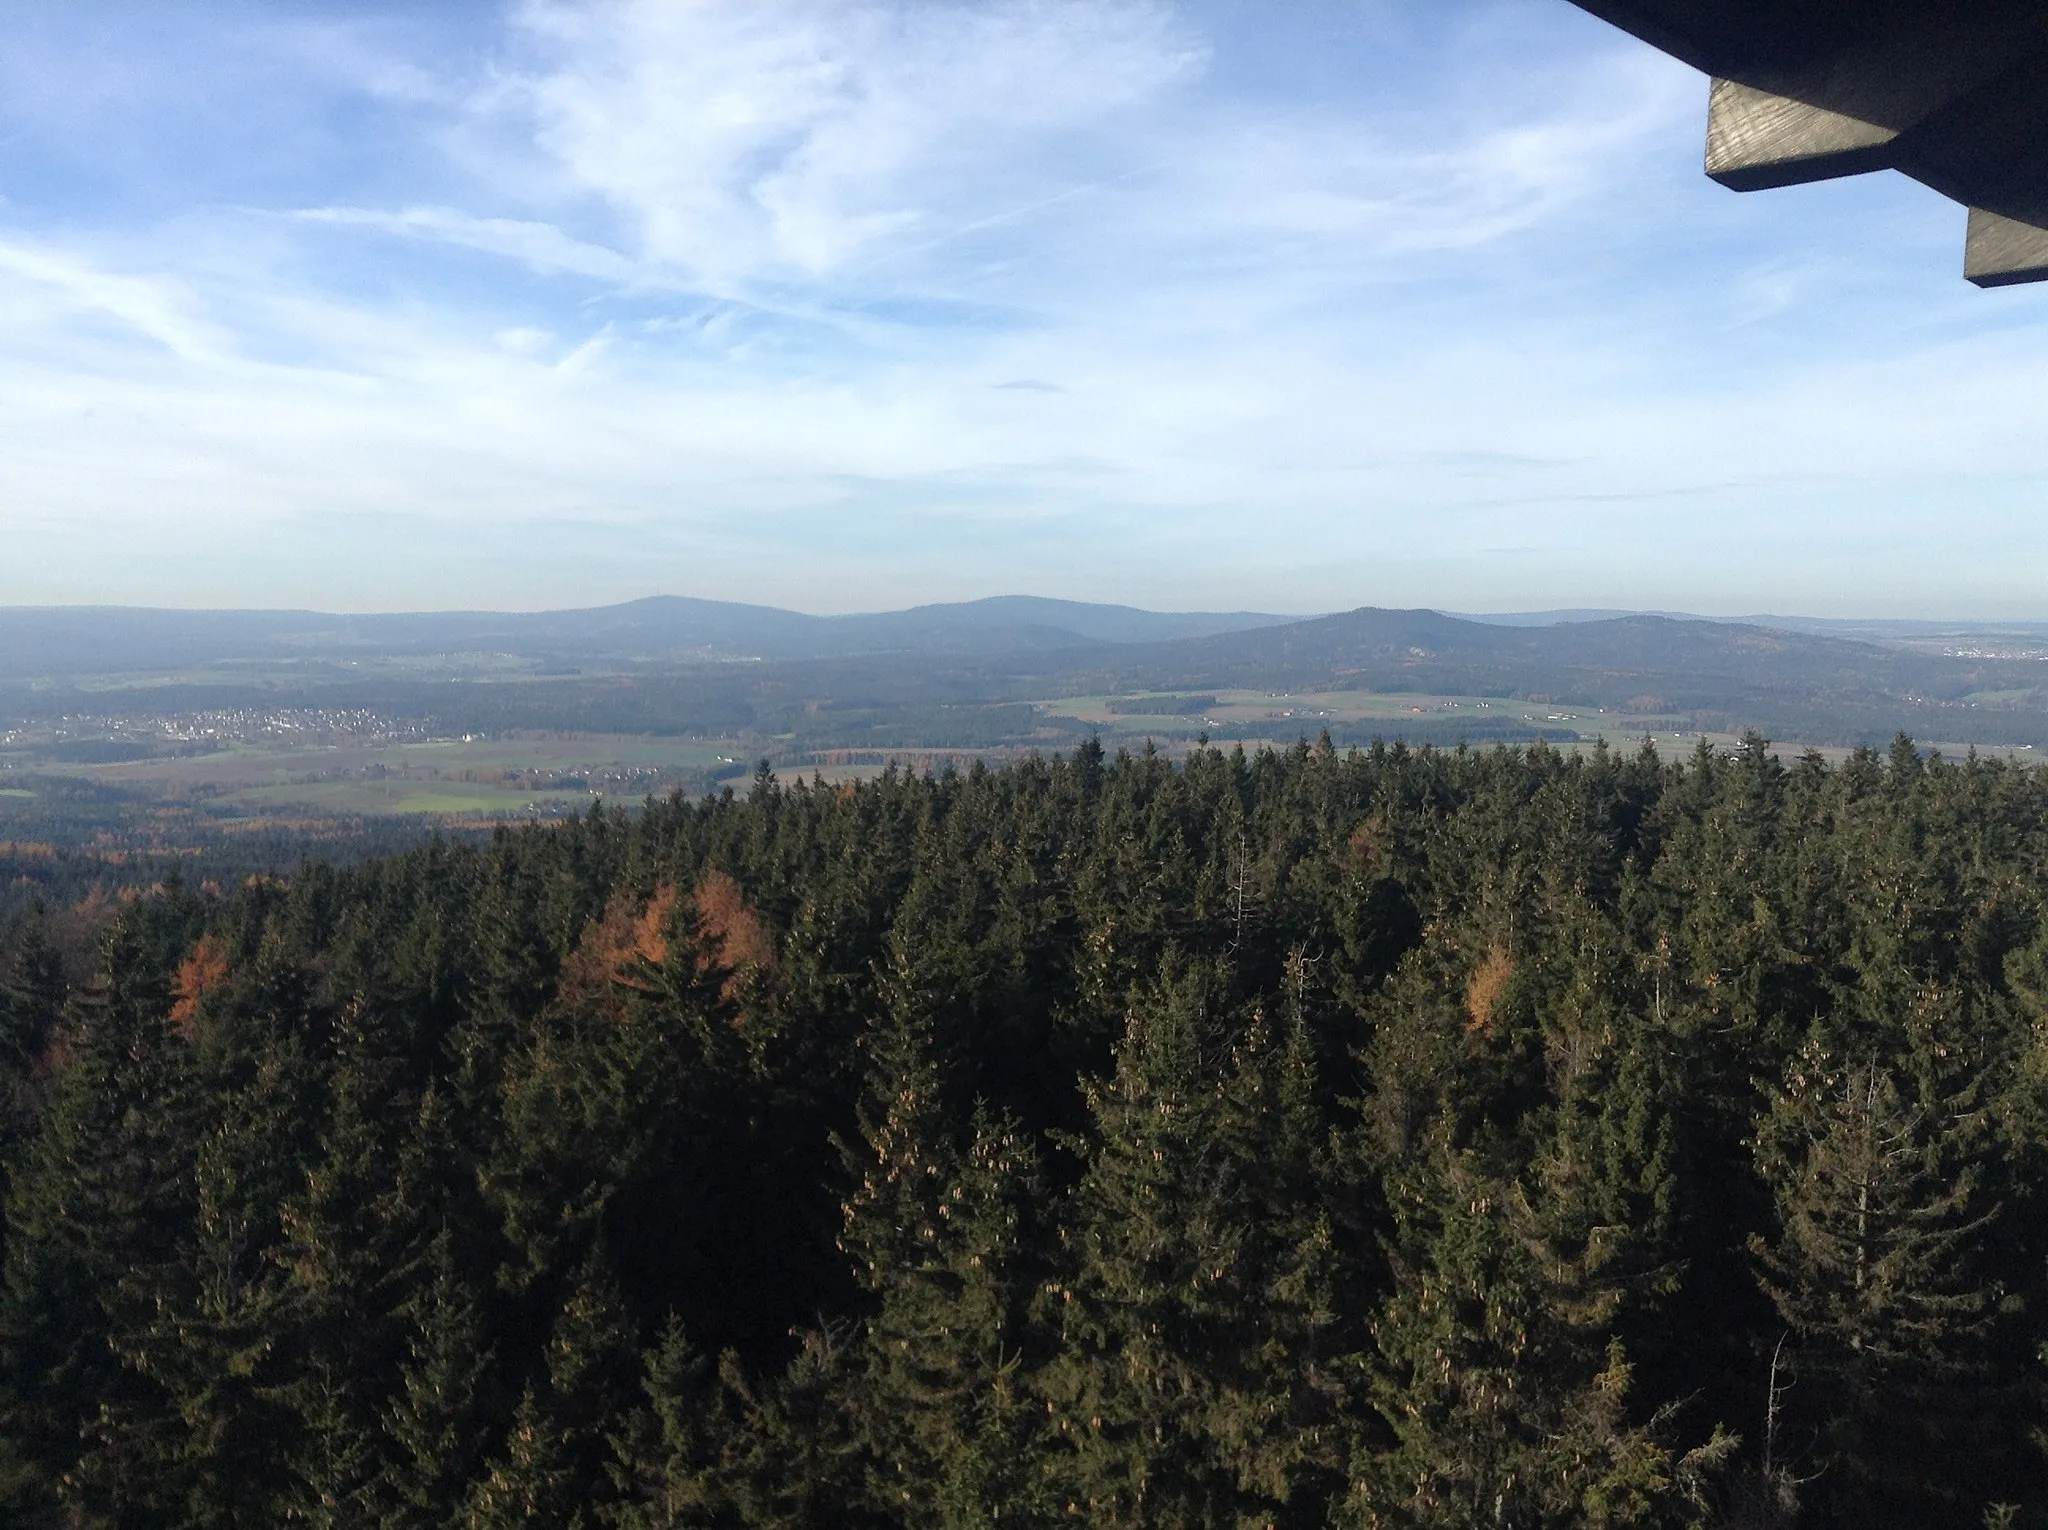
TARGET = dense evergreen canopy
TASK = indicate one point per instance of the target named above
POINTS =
(1375, 1139)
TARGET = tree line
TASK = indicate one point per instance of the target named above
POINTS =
(1382, 1138)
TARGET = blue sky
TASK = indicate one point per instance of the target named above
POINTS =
(849, 304)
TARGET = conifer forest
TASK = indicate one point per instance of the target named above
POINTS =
(1374, 1138)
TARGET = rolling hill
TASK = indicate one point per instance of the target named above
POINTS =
(50, 641)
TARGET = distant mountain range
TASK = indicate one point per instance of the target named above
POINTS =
(51, 641)
(676, 665)
(1879, 629)
(1766, 676)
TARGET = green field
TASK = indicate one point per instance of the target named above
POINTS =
(369, 799)
(457, 778)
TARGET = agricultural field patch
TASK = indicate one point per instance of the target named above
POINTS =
(418, 778)
(401, 798)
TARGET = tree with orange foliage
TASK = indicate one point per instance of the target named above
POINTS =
(198, 975)
(731, 937)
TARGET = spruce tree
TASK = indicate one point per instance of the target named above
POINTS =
(204, 1329)
(1873, 1271)
(1517, 1119)
(1501, 1399)
(797, 1460)
(335, 1469)
(1194, 1379)
(100, 1197)
(669, 1452)
(553, 1465)
(32, 990)
(950, 1429)
(435, 1423)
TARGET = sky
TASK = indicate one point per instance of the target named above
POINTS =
(854, 304)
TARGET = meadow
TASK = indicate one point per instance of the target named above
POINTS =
(476, 778)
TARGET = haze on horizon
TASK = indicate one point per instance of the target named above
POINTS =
(851, 304)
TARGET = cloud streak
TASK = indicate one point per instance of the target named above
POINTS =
(540, 246)
(148, 308)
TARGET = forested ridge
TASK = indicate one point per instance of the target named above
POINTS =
(1369, 1139)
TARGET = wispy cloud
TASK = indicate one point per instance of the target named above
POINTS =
(541, 246)
(783, 139)
(148, 307)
